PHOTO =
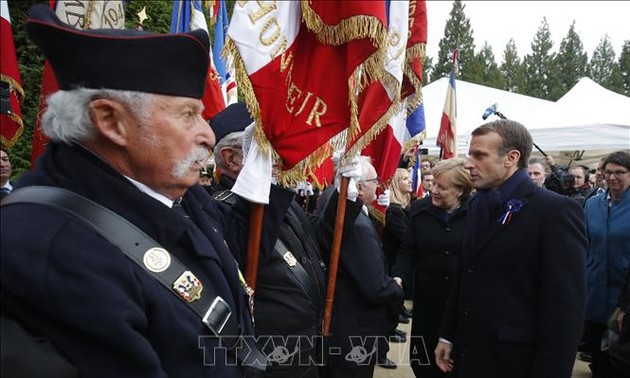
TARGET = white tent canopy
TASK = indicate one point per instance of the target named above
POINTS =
(587, 118)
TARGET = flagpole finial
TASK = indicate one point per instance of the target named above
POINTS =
(142, 15)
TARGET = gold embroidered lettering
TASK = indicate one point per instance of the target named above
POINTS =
(315, 113)
(308, 96)
(264, 9)
(290, 98)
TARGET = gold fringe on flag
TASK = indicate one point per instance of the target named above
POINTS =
(14, 85)
(377, 215)
(391, 83)
(356, 27)
(251, 102)
(298, 172)
(414, 52)
(10, 142)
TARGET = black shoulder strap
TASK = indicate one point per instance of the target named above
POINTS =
(298, 271)
(214, 312)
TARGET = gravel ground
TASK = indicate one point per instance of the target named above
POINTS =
(399, 353)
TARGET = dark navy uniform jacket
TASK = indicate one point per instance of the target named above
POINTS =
(105, 313)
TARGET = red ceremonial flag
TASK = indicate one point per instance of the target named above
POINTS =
(447, 136)
(11, 125)
(81, 14)
(297, 97)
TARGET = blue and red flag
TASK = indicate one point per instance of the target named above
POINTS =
(187, 16)
(447, 136)
(226, 76)
(416, 178)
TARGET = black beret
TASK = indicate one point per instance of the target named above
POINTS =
(124, 59)
(233, 118)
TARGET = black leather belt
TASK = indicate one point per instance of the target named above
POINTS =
(213, 311)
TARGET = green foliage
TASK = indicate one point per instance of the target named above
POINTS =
(457, 34)
(604, 69)
(159, 14)
(31, 64)
(571, 62)
(624, 68)
(490, 73)
(539, 68)
(512, 69)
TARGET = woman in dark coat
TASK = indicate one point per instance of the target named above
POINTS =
(430, 254)
(396, 215)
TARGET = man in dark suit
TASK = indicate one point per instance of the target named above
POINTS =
(365, 295)
(290, 283)
(133, 140)
(518, 307)
(6, 186)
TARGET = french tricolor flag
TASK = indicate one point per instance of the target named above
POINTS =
(187, 16)
(447, 136)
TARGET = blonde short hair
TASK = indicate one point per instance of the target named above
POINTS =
(454, 170)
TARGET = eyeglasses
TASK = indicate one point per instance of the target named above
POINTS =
(617, 174)
(375, 180)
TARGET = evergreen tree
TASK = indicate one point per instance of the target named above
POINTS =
(571, 61)
(540, 75)
(604, 69)
(624, 67)
(490, 73)
(512, 69)
(457, 34)
(427, 69)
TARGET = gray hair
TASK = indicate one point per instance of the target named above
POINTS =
(364, 161)
(67, 118)
(233, 140)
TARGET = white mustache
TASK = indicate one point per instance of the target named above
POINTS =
(198, 154)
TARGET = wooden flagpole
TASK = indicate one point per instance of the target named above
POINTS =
(334, 255)
(253, 246)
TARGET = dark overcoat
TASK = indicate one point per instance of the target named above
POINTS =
(519, 307)
(430, 256)
(102, 311)
(364, 290)
(396, 223)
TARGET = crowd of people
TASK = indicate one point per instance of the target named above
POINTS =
(507, 276)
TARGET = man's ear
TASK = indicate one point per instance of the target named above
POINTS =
(360, 187)
(109, 117)
(512, 158)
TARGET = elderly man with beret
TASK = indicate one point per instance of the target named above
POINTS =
(126, 133)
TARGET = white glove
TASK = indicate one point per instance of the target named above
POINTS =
(299, 188)
(309, 189)
(350, 168)
(336, 158)
(383, 198)
(247, 138)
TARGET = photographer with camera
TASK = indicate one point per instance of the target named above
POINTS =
(571, 181)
